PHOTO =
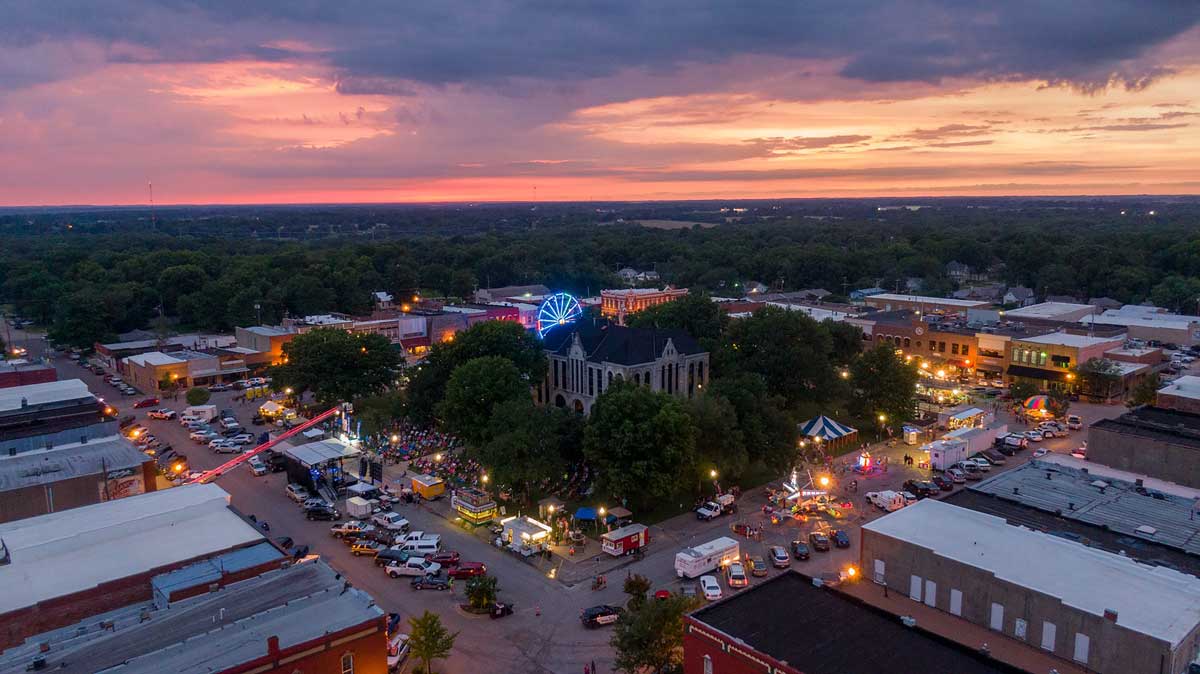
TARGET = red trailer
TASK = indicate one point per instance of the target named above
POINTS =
(625, 540)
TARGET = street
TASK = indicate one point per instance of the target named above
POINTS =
(544, 634)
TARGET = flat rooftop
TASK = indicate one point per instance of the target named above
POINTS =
(1073, 491)
(298, 604)
(268, 330)
(1067, 339)
(922, 299)
(1049, 310)
(154, 359)
(15, 398)
(117, 539)
(1184, 387)
(1152, 600)
(1147, 320)
(822, 631)
(1156, 423)
(64, 462)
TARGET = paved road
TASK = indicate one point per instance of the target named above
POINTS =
(545, 634)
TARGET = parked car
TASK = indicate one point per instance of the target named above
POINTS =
(779, 557)
(315, 502)
(598, 616)
(386, 556)
(818, 541)
(256, 466)
(710, 587)
(242, 439)
(1034, 436)
(841, 538)
(708, 511)
(430, 583)
(1040, 452)
(758, 567)
(222, 446)
(365, 547)
(800, 550)
(352, 528)
(735, 575)
(996, 458)
(390, 521)
(146, 402)
(1074, 422)
(943, 483)
(447, 558)
(327, 514)
(413, 567)
(297, 492)
(162, 413)
(956, 476)
(919, 488)
(468, 570)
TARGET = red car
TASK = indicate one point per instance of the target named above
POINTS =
(148, 402)
(443, 558)
(468, 569)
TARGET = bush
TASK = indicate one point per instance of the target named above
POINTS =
(198, 396)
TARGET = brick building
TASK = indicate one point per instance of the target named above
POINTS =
(937, 346)
(585, 359)
(1048, 360)
(41, 416)
(786, 625)
(617, 304)
(1183, 395)
(22, 373)
(921, 304)
(72, 476)
(64, 567)
(1152, 441)
(1104, 611)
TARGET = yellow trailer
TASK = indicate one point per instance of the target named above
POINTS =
(428, 486)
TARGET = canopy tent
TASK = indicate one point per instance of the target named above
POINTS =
(586, 514)
(1039, 402)
(616, 514)
(825, 428)
(270, 408)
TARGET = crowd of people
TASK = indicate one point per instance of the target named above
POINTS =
(407, 442)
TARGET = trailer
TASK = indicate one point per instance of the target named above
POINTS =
(626, 540)
(978, 439)
(428, 486)
(204, 413)
(696, 561)
(359, 507)
(944, 454)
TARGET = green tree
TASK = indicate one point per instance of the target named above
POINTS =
(378, 412)
(640, 442)
(719, 443)
(474, 389)
(505, 339)
(1145, 392)
(429, 640)
(768, 431)
(650, 638)
(481, 591)
(695, 314)
(637, 587)
(1099, 377)
(1178, 293)
(528, 444)
(883, 383)
(789, 349)
(336, 365)
(1022, 390)
(846, 340)
(198, 395)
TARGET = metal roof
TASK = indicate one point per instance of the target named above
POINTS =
(48, 393)
(64, 462)
(315, 453)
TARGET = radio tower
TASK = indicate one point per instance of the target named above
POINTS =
(153, 220)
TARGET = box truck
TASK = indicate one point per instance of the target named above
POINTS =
(204, 413)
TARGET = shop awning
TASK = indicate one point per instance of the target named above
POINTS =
(1037, 373)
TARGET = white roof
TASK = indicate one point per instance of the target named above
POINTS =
(73, 550)
(1152, 600)
(627, 530)
(314, 453)
(921, 299)
(41, 394)
(1067, 339)
(153, 359)
(1146, 320)
(1047, 310)
(1126, 368)
(1184, 387)
(816, 313)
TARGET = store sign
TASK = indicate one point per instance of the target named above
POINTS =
(115, 488)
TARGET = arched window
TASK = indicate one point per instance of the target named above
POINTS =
(907, 342)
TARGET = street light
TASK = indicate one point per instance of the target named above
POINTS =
(713, 473)
(882, 418)
(845, 374)
(550, 508)
(824, 480)
(602, 511)
(484, 477)
(437, 457)
(395, 438)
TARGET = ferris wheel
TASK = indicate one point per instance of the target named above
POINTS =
(557, 309)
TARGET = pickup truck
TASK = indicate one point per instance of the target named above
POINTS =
(390, 521)
(412, 567)
(414, 536)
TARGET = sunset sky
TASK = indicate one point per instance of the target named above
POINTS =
(256, 102)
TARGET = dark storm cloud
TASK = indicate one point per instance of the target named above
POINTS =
(376, 44)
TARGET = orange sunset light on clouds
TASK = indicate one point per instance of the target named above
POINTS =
(306, 106)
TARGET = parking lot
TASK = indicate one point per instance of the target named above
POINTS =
(544, 634)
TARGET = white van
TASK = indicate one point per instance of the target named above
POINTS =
(421, 547)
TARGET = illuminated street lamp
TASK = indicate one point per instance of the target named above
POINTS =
(823, 480)
(395, 438)
(713, 473)
(882, 418)
(845, 374)
(484, 478)
(437, 457)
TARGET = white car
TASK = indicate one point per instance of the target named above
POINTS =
(1034, 436)
(297, 492)
(956, 476)
(735, 575)
(1040, 452)
(710, 587)
(227, 449)
(202, 436)
(189, 419)
(229, 423)
(256, 465)
(242, 439)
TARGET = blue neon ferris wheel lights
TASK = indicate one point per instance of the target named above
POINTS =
(557, 309)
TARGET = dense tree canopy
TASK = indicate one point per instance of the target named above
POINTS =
(787, 348)
(336, 365)
(475, 388)
(883, 383)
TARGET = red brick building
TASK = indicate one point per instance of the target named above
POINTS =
(21, 374)
(620, 303)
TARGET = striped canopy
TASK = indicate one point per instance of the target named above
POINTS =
(825, 428)
(1039, 402)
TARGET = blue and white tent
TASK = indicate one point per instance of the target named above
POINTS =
(825, 428)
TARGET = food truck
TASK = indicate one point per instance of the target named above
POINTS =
(626, 540)
(692, 562)
(428, 486)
